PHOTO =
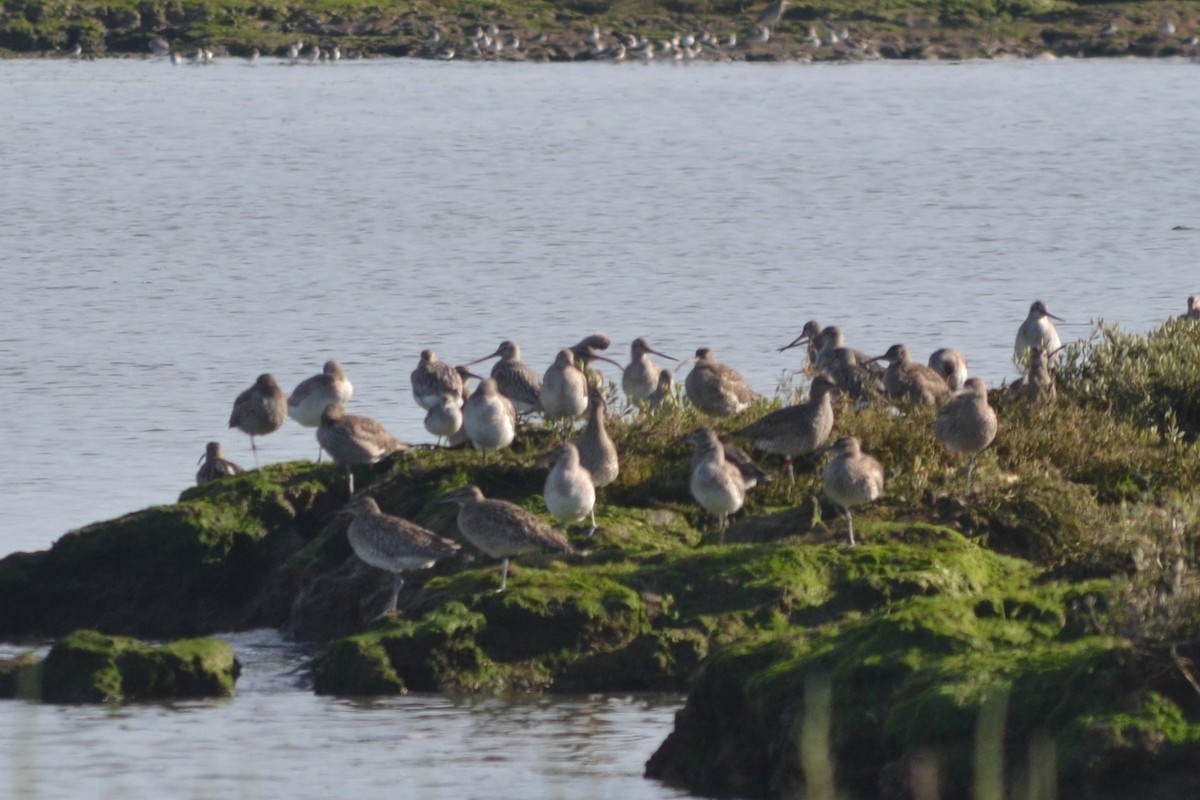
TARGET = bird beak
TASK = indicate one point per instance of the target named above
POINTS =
(604, 358)
(660, 355)
(201, 458)
(799, 340)
(472, 374)
(1051, 316)
(485, 358)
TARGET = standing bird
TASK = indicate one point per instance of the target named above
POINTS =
(852, 478)
(795, 430)
(1036, 331)
(515, 379)
(501, 529)
(433, 379)
(967, 424)
(312, 395)
(715, 388)
(640, 378)
(716, 483)
(586, 352)
(1036, 386)
(569, 492)
(215, 466)
(460, 438)
(951, 364)
(489, 418)
(773, 13)
(910, 381)
(597, 452)
(564, 392)
(259, 410)
(446, 417)
(393, 543)
(351, 439)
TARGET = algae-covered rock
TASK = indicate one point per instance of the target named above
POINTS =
(89, 667)
(20, 677)
(208, 563)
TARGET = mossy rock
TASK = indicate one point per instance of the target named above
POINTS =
(201, 565)
(89, 667)
(20, 677)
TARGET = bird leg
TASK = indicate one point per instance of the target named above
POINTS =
(722, 523)
(397, 583)
(970, 469)
(594, 526)
(350, 472)
(254, 449)
(791, 471)
(503, 577)
(850, 521)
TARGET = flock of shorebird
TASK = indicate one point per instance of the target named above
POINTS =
(721, 473)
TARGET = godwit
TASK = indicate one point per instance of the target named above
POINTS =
(951, 364)
(1193, 308)
(597, 452)
(501, 529)
(852, 478)
(259, 410)
(586, 351)
(433, 380)
(515, 379)
(715, 388)
(1036, 386)
(311, 396)
(564, 392)
(489, 418)
(569, 492)
(460, 438)
(1037, 331)
(446, 418)
(908, 380)
(640, 378)
(771, 15)
(808, 336)
(215, 466)
(352, 440)
(664, 393)
(795, 430)
(717, 484)
(967, 424)
(392, 543)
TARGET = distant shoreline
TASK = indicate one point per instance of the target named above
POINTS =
(814, 33)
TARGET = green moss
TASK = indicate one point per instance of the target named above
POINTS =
(89, 667)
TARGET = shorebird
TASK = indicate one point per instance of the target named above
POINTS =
(446, 418)
(460, 438)
(715, 388)
(808, 336)
(311, 396)
(433, 379)
(664, 393)
(967, 424)
(489, 418)
(640, 378)
(1036, 386)
(908, 380)
(597, 452)
(569, 492)
(1036, 331)
(1193, 308)
(716, 483)
(351, 439)
(951, 364)
(215, 466)
(564, 392)
(752, 474)
(771, 15)
(795, 430)
(259, 410)
(501, 529)
(832, 350)
(515, 379)
(852, 478)
(1166, 27)
(586, 352)
(392, 543)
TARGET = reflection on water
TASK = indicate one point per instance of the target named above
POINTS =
(277, 739)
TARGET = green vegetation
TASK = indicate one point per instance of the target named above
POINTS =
(555, 31)
(89, 667)
(1052, 613)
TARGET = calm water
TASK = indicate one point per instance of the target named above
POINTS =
(170, 233)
